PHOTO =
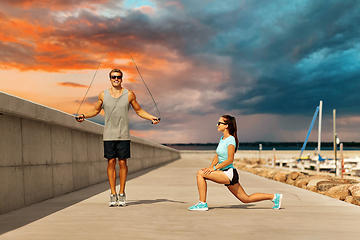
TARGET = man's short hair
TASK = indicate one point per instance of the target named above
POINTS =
(116, 70)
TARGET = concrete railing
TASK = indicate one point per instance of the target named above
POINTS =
(45, 153)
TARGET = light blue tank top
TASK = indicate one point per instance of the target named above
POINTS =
(116, 116)
(222, 150)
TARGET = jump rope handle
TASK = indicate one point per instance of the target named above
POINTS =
(156, 119)
(78, 117)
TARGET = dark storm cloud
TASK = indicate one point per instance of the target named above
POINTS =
(299, 59)
(285, 56)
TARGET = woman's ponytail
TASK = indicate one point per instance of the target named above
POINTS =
(231, 122)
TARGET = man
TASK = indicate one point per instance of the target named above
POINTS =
(116, 102)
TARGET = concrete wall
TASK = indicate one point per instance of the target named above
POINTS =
(45, 153)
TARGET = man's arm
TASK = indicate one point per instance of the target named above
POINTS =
(93, 112)
(139, 111)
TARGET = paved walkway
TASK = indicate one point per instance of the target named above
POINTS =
(157, 209)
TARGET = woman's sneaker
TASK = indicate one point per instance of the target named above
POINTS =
(277, 201)
(122, 199)
(113, 200)
(199, 207)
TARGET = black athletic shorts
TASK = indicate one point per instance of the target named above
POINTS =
(117, 149)
(235, 177)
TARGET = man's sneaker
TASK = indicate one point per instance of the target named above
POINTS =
(122, 199)
(277, 201)
(113, 200)
(199, 207)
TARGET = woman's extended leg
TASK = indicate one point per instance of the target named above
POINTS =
(216, 176)
(240, 194)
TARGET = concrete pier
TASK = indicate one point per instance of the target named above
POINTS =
(158, 199)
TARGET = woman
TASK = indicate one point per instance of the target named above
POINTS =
(222, 169)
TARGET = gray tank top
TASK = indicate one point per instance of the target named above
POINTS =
(116, 116)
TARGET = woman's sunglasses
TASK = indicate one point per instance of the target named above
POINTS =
(221, 123)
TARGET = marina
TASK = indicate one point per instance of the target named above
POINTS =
(348, 165)
(340, 164)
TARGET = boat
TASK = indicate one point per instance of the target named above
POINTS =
(325, 164)
(352, 166)
(286, 162)
(304, 162)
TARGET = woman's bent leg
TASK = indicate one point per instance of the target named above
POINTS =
(240, 194)
(202, 186)
(216, 176)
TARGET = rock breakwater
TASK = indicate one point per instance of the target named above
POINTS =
(344, 189)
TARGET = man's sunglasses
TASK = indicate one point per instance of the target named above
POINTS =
(118, 77)
(221, 123)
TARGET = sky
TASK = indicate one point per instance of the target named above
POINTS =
(266, 62)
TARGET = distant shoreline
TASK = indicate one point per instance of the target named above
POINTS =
(282, 146)
(269, 154)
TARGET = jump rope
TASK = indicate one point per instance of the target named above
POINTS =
(95, 76)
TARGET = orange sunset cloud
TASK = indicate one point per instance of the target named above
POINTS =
(54, 4)
(71, 84)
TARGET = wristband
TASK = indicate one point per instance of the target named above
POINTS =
(215, 168)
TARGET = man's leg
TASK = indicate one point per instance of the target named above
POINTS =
(112, 174)
(123, 175)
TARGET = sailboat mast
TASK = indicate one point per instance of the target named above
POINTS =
(319, 135)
